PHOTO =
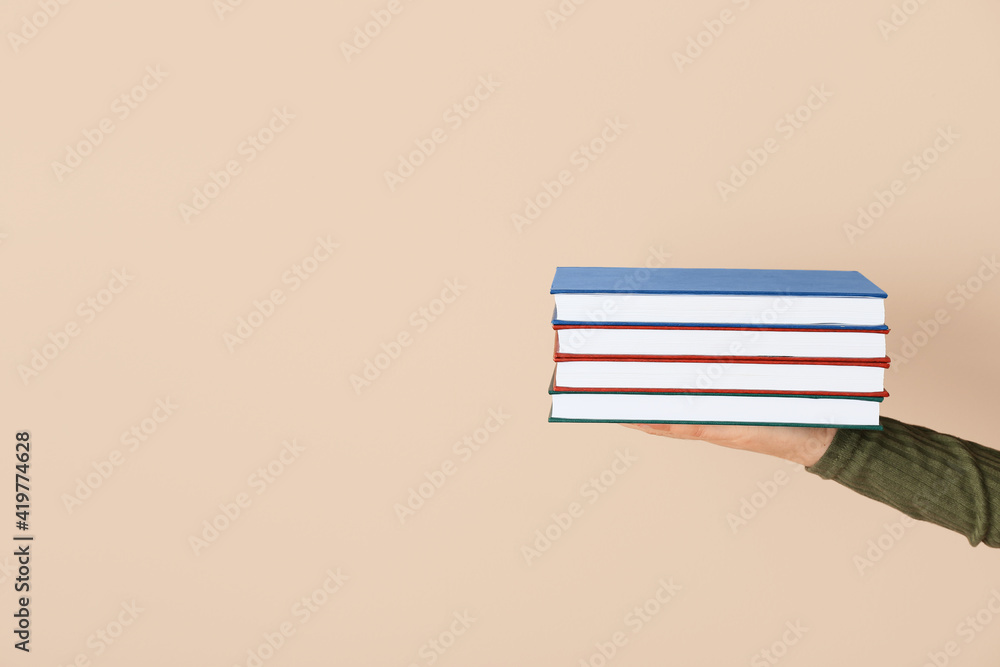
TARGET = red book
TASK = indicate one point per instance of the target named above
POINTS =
(812, 376)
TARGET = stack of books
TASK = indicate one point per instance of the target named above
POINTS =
(718, 346)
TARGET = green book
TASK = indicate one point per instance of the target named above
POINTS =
(688, 407)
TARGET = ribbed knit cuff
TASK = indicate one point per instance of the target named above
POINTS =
(842, 449)
(927, 475)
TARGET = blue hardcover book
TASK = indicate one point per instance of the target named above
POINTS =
(788, 298)
(790, 282)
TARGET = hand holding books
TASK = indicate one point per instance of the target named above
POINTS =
(793, 443)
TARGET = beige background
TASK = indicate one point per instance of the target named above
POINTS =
(652, 193)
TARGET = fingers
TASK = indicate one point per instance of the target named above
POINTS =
(707, 432)
(645, 428)
(799, 444)
(686, 431)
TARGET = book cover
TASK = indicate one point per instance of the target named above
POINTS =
(733, 282)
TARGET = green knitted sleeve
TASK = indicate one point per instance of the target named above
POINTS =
(928, 475)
